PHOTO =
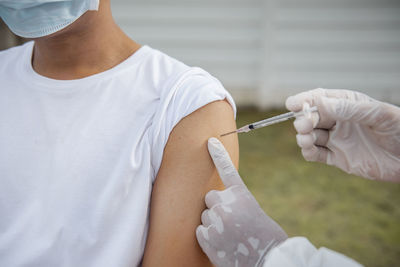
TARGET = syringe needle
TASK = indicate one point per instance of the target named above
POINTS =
(244, 129)
(222, 135)
(307, 110)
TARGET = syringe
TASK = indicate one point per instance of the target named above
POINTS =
(307, 110)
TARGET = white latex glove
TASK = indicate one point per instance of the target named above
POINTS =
(355, 133)
(235, 231)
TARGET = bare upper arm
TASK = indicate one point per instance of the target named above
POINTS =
(185, 176)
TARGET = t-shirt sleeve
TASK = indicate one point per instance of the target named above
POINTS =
(180, 97)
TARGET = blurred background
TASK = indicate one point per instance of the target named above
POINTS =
(265, 50)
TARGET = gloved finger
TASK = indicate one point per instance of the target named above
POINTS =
(212, 198)
(303, 125)
(205, 218)
(317, 137)
(295, 103)
(226, 170)
(227, 196)
(232, 194)
(335, 103)
(321, 137)
(364, 112)
(206, 237)
(205, 242)
(345, 94)
(215, 216)
(317, 154)
(203, 238)
(313, 98)
(306, 140)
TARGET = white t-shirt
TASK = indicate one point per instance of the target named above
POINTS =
(78, 158)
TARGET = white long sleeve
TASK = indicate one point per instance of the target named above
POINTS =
(299, 252)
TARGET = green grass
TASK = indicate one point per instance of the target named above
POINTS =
(357, 217)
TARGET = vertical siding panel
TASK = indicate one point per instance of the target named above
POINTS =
(351, 44)
(221, 36)
(265, 50)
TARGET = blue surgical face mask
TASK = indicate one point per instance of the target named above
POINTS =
(37, 18)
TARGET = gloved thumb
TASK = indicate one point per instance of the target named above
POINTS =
(357, 111)
(226, 170)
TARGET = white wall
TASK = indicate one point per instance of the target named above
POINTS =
(265, 50)
(332, 44)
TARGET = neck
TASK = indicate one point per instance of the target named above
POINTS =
(92, 44)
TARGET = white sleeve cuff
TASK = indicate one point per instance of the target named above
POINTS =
(299, 252)
(190, 91)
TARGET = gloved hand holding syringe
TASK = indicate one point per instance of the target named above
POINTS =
(307, 111)
(342, 128)
(346, 129)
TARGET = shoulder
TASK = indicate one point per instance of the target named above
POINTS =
(181, 86)
(181, 91)
(162, 69)
(171, 76)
